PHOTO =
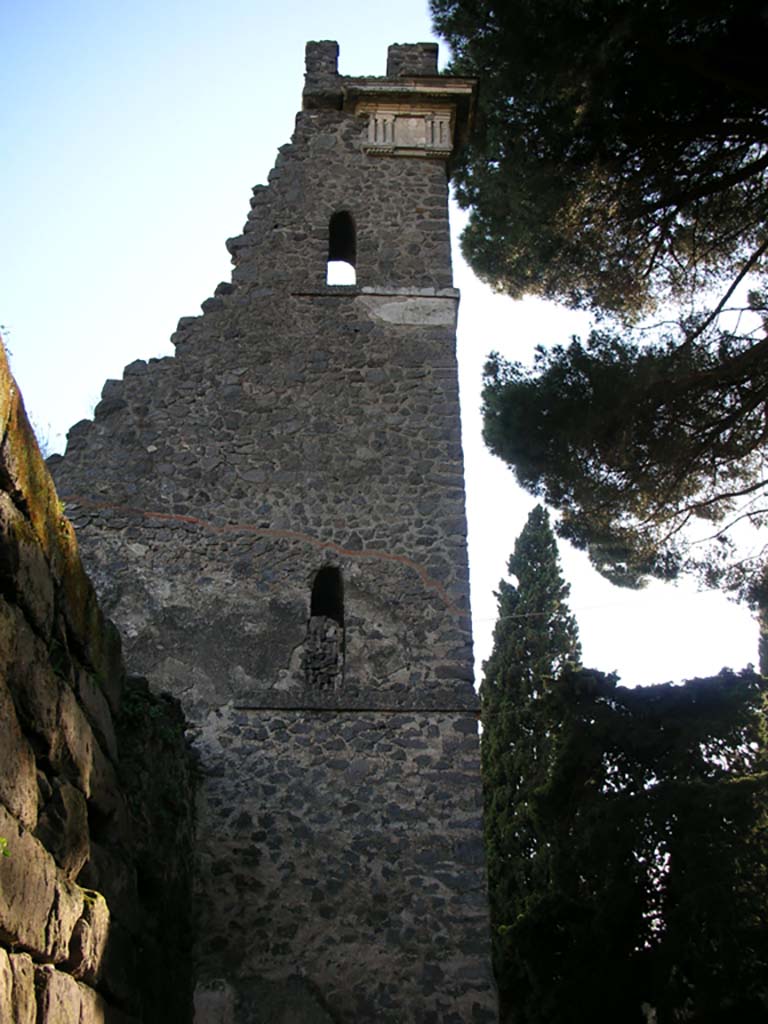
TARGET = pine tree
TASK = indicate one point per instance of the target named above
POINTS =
(625, 828)
(535, 638)
(619, 162)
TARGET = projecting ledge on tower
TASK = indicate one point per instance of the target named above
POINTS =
(417, 310)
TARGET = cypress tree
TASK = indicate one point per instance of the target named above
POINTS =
(534, 639)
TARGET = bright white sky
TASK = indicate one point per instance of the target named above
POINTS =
(132, 133)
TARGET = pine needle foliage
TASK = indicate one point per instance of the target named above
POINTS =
(620, 164)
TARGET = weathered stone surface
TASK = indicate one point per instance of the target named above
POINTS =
(27, 888)
(63, 828)
(109, 873)
(6, 984)
(291, 1000)
(17, 989)
(65, 913)
(18, 774)
(89, 939)
(74, 754)
(58, 997)
(107, 795)
(390, 806)
(24, 571)
(24, 1001)
(96, 705)
(23, 474)
(38, 908)
(33, 681)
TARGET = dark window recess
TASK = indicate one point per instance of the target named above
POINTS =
(324, 647)
(342, 249)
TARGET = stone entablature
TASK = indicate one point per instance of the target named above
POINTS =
(399, 129)
(422, 117)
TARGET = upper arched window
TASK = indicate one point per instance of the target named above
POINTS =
(342, 249)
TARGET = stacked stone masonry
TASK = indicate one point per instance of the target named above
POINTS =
(71, 921)
(304, 428)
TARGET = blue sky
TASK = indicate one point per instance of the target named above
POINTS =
(132, 134)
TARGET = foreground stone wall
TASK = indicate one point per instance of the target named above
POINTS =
(74, 930)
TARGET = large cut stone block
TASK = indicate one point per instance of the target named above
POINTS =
(24, 1002)
(6, 988)
(32, 681)
(38, 908)
(89, 939)
(74, 749)
(18, 775)
(24, 474)
(63, 828)
(17, 989)
(93, 698)
(65, 913)
(27, 888)
(62, 1000)
(24, 570)
(7, 387)
(112, 875)
(58, 997)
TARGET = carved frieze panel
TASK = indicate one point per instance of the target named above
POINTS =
(405, 130)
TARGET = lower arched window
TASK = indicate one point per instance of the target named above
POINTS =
(324, 646)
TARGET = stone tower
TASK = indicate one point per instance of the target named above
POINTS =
(275, 520)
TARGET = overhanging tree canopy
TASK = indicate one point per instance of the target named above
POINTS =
(633, 443)
(621, 149)
(620, 161)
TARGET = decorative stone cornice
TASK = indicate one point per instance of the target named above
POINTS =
(429, 117)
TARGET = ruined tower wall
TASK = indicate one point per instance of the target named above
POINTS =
(302, 428)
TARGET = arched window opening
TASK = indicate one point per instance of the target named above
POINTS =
(328, 595)
(324, 647)
(342, 249)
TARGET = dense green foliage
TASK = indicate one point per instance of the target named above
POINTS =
(626, 829)
(631, 444)
(620, 159)
(656, 814)
(534, 639)
(621, 149)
